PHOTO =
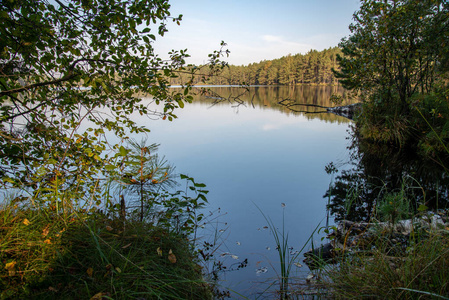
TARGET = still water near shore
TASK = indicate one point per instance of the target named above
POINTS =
(256, 155)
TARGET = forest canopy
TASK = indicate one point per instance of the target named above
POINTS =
(314, 67)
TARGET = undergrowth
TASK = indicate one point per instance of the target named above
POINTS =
(388, 271)
(44, 255)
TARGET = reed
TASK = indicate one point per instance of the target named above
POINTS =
(286, 259)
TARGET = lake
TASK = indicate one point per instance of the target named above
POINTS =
(256, 157)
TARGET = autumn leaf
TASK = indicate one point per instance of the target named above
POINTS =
(11, 268)
(46, 230)
(109, 228)
(118, 270)
(58, 234)
(97, 296)
(47, 241)
(26, 222)
(159, 251)
(126, 246)
(90, 272)
(171, 257)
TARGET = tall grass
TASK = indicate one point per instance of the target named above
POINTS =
(387, 272)
(387, 264)
(44, 255)
(286, 260)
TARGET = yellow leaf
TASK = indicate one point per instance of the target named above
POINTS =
(97, 296)
(26, 222)
(46, 230)
(159, 251)
(58, 234)
(118, 270)
(47, 241)
(10, 266)
(171, 257)
(90, 272)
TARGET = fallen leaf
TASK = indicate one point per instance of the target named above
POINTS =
(97, 296)
(46, 230)
(171, 257)
(26, 222)
(52, 289)
(118, 270)
(47, 241)
(109, 228)
(10, 266)
(159, 251)
(58, 234)
(90, 272)
(126, 246)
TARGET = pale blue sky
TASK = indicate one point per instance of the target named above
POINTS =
(256, 29)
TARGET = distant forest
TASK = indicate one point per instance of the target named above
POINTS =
(314, 67)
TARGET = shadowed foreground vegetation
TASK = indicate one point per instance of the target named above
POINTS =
(387, 268)
(91, 256)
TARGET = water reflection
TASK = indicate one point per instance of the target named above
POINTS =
(257, 154)
(379, 170)
(267, 97)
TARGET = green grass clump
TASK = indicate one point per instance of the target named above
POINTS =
(388, 271)
(44, 255)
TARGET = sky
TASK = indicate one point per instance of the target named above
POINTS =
(256, 30)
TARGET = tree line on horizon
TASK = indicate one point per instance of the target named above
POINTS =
(314, 67)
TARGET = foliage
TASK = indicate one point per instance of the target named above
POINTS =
(394, 58)
(394, 207)
(391, 269)
(433, 109)
(91, 256)
(313, 67)
(70, 73)
(395, 49)
(141, 174)
(378, 170)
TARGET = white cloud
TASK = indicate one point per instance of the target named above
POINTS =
(271, 38)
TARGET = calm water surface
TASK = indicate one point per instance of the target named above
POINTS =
(258, 155)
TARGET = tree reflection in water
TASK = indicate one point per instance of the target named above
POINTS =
(380, 170)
